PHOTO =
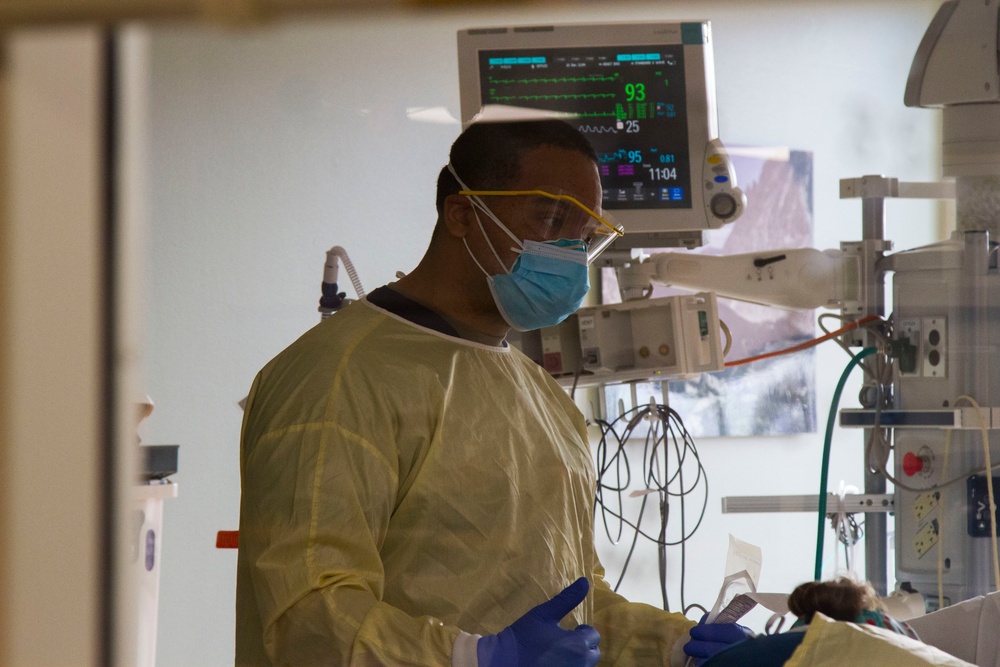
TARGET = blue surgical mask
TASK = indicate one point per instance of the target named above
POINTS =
(547, 283)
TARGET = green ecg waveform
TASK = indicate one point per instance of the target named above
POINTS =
(579, 96)
(598, 78)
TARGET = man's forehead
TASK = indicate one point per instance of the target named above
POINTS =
(552, 159)
(560, 171)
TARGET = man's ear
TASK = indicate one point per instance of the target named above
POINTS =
(458, 215)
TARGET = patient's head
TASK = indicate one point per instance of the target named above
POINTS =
(841, 599)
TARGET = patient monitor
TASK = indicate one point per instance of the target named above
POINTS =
(642, 93)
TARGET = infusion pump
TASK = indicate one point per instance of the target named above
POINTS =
(673, 337)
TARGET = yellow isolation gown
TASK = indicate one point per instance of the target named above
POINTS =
(401, 486)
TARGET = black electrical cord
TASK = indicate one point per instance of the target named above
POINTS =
(662, 474)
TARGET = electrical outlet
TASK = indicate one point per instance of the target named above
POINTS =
(925, 504)
(926, 538)
(935, 347)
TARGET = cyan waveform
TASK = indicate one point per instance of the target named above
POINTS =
(562, 79)
(609, 157)
(598, 129)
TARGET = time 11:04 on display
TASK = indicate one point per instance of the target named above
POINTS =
(662, 173)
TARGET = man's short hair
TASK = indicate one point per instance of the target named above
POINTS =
(487, 155)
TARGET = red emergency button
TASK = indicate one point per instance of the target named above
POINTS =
(912, 464)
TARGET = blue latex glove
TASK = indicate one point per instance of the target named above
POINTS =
(536, 638)
(707, 639)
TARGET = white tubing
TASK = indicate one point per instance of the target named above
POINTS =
(330, 270)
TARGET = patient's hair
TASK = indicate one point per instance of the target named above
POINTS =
(842, 599)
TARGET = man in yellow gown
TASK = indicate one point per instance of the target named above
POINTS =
(414, 490)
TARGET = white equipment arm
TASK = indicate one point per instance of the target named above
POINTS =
(800, 278)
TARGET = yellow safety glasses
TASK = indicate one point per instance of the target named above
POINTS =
(561, 216)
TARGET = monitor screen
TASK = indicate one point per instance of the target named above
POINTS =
(628, 100)
(642, 93)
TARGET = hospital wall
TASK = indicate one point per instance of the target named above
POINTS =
(268, 146)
